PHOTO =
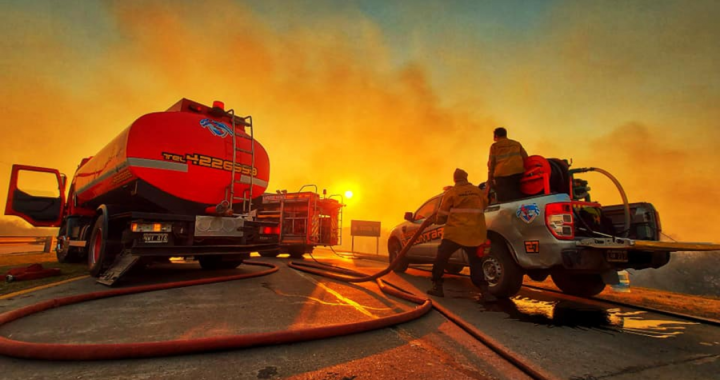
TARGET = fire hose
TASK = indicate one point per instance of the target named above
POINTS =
(353, 276)
(626, 205)
(54, 351)
(47, 351)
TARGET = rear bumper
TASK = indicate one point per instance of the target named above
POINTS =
(595, 260)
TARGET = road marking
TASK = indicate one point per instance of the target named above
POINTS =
(41, 287)
(340, 297)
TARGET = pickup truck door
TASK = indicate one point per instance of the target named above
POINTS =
(37, 195)
(426, 245)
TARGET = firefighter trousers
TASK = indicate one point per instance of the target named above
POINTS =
(446, 249)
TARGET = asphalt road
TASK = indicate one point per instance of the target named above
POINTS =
(569, 337)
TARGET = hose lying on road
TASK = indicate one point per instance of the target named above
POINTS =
(348, 275)
(54, 351)
(46, 351)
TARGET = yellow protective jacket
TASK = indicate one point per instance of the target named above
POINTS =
(507, 157)
(462, 210)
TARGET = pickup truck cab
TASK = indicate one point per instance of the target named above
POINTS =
(576, 242)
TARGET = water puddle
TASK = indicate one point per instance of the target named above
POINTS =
(587, 316)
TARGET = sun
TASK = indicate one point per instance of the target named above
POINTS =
(348, 194)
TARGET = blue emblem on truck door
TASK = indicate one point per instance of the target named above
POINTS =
(216, 128)
(528, 213)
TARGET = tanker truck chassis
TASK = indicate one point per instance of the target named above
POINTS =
(179, 183)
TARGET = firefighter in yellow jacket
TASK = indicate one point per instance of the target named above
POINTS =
(462, 212)
(506, 167)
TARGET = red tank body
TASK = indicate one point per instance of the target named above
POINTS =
(179, 160)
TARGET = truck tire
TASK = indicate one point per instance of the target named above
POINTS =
(64, 252)
(270, 253)
(394, 249)
(296, 251)
(502, 273)
(215, 262)
(101, 253)
(454, 268)
(582, 285)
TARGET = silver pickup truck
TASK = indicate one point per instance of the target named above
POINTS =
(573, 241)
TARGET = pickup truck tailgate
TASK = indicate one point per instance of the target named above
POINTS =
(646, 245)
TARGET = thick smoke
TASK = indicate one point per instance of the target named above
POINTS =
(630, 90)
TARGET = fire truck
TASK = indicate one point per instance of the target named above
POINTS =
(184, 182)
(305, 220)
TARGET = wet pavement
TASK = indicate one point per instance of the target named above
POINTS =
(570, 337)
(578, 338)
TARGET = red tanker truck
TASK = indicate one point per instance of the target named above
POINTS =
(184, 182)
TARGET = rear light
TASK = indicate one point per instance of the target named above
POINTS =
(271, 230)
(559, 220)
(151, 227)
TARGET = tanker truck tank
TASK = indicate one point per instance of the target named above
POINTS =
(176, 161)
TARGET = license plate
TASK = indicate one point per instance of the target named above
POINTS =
(155, 238)
(617, 256)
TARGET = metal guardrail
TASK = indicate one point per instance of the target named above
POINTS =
(47, 241)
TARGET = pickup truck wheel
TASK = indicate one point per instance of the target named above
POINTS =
(500, 270)
(296, 251)
(270, 253)
(216, 262)
(583, 285)
(394, 249)
(454, 268)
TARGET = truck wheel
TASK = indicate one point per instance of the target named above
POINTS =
(270, 253)
(500, 270)
(100, 252)
(296, 251)
(394, 249)
(64, 252)
(216, 262)
(454, 268)
(583, 285)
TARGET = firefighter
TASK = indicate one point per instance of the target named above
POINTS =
(506, 167)
(462, 212)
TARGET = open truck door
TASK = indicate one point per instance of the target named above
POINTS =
(37, 195)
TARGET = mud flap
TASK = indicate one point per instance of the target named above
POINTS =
(123, 262)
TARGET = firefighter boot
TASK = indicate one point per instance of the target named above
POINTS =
(485, 295)
(437, 289)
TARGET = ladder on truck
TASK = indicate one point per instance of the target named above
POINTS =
(337, 229)
(247, 195)
(311, 220)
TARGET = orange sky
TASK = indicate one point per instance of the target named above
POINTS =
(349, 100)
